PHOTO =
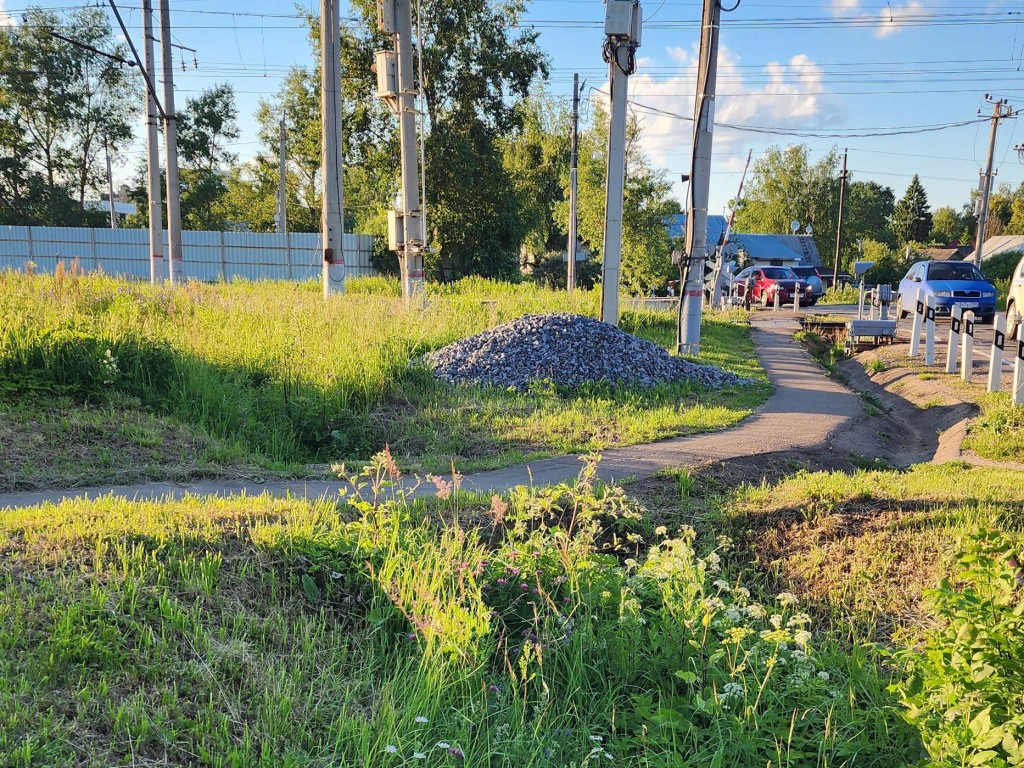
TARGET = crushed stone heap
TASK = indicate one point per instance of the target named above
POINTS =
(569, 350)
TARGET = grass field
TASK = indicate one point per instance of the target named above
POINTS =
(132, 382)
(562, 627)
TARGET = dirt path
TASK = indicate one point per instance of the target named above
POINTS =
(811, 419)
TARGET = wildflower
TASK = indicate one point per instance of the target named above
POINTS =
(524, 587)
(661, 530)
(721, 585)
(391, 749)
(775, 636)
(713, 562)
(605, 594)
(802, 637)
(711, 604)
(823, 675)
(455, 752)
(738, 634)
(787, 598)
(732, 691)
(419, 755)
(597, 738)
(444, 488)
(799, 620)
(724, 542)
(776, 621)
(631, 563)
(443, 745)
(755, 611)
(388, 463)
(733, 614)
(741, 593)
(421, 719)
(608, 755)
(501, 581)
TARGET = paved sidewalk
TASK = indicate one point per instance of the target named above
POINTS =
(805, 411)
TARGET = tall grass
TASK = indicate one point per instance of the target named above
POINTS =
(274, 368)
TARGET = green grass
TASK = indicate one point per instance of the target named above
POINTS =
(999, 432)
(268, 375)
(847, 295)
(551, 629)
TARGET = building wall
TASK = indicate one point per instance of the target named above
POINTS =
(208, 256)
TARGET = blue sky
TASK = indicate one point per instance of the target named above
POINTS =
(823, 66)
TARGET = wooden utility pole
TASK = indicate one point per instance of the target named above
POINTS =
(986, 182)
(282, 188)
(157, 263)
(839, 227)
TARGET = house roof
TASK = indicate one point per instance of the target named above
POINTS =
(761, 247)
(120, 208)
(716, 225)
(1001, 244)
(951, 253)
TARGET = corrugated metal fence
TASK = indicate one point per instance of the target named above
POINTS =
(208, 256)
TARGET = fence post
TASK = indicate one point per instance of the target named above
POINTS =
(956, 313)
(223, 259)
(967, 349)
(995, 360)
(92, 248)
(31, 250)
(915, 329)
(288, 253)
(929, 330)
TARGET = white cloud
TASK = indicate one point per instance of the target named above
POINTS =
(889, 17)
(786, 94)
(6, 20)
(839, 6)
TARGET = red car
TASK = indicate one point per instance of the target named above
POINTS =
(765, 282)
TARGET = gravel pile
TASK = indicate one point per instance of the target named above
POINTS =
(569, 350)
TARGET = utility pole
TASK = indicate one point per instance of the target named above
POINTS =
(570, 283)
(282, 190)
(986, 181)
(692, 279)
(839, 228)
(396, 86)
(622, 25)
(157, 267)
(110, 188)
(177, 266)
(332, 221)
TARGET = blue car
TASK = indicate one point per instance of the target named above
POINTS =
(951, 283)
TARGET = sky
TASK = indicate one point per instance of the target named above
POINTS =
(834, 70)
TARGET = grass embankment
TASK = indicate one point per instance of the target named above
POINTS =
(558, 629)
(106, 381)
(999, 432)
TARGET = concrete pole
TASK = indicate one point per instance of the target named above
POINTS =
(412, 218)
(839, 228)
(967, 349)
(986, 187)
(955, 321)
(929, 330)
(995, 360)
(110, 188)
(157, 266)
(615, 181)
(573, 185)
(177, 265)
(282, 189)
(332, 222)
(688, 335)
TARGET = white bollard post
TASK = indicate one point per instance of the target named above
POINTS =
(915, 328)
(1018, 374)
(929, 330)
(776, 308)
(967, 348)
(995, 360)
(796, 298)
(956, 315)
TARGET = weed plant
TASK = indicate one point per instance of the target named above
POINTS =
(550, 628)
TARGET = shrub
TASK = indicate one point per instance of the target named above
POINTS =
(965, 686)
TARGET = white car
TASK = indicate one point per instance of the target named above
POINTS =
(1015, 302)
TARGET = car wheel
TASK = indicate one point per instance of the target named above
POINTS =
(764, 298)
(1012, 326)
(901, 313)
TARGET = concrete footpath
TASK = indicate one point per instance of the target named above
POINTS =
(806, 410)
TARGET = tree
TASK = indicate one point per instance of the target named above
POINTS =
(950, 226)
(61, 107)
(477, 71)
(911, 219)
(784, 187)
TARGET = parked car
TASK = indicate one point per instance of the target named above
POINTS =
(813, 279)
(766, 282)
(1015, 302)
(951, 283)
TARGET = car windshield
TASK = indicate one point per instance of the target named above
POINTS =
(779, 273)
(804, 271)
(956, 270)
